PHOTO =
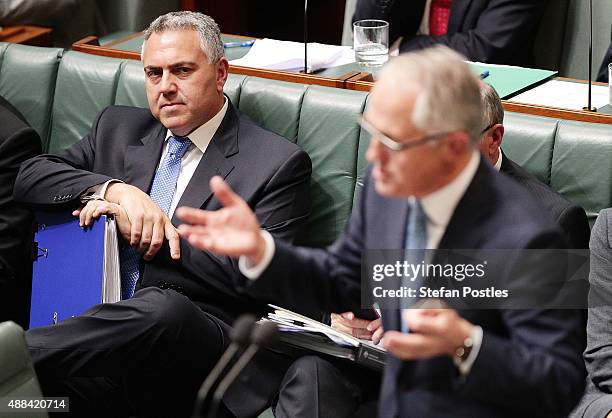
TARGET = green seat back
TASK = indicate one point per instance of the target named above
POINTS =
(27, 80)
(86, 84)
(131, 85)
(329, 133)
(529, 142)
(17, 376)
(275, 105)
(582, 165)
(233, 87)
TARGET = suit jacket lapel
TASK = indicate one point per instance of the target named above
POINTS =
(214, 162)
(459, 10)
(141, 160)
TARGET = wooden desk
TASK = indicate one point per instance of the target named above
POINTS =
(129, 48)
(342, 77)
(27, 35)
(364, 82)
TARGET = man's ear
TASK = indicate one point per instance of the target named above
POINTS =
(222, 69)
(497, 134)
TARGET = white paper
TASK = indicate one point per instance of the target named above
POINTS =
(286, 55)
(564, 94)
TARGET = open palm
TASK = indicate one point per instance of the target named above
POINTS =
(232, 230)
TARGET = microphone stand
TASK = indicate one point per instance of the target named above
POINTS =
(305, 36)
(589, 107)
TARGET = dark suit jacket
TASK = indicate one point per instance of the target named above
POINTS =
(269, 172)
(493, 31)
(571, 218)
(18, 142)
(603, 70)
(529, 361)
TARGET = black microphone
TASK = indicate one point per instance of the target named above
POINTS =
(240, 338)
(305, 36)
(589, 107)
(262, 335)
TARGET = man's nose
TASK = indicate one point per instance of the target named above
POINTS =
(376, 152)
(168, 83)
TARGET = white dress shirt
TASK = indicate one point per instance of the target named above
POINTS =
(439, 207)
(200, 139)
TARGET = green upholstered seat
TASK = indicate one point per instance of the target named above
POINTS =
(329, 133)
(582, 165)
(529, 141)
(17, 376)
(130, 87)
(85, 85)
(28, 82)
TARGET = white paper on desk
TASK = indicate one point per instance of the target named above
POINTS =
(286, 55)
(563, 94)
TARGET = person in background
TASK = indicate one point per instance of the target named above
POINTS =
(18, 142)
(71, 20)
(603, 70)
(570, 217)
(491, 31)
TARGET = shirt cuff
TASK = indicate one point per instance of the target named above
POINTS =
(98, 191)
(465, 366)
(253, 271)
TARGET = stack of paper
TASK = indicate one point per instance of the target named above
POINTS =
(303, 332)
(285, 55)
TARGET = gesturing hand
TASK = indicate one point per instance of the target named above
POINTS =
(232, 231)
(148, 222)
(357, 327)
(433, 332)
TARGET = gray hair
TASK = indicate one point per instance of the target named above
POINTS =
(207, 28)
(448, 93)
(492, 109)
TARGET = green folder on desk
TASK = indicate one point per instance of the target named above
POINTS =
(509, 81)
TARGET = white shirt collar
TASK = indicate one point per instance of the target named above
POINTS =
(440, 205)
(202, 136)
(498, 163)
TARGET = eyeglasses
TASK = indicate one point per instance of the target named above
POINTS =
(487, 128)
(395, 145)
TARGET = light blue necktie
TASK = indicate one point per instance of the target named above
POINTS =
(416, 242)
(162, 192)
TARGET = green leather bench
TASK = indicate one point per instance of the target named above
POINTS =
(60, 92)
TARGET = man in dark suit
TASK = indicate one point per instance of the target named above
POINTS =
(18, 142)
(428, 188)
(493, 31)
(597, 400)
(603, 70)
(137, 164)
(570, 217)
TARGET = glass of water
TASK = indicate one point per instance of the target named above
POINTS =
(371, 42)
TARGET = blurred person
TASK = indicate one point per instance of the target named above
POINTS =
(427, 187)
(603, 70)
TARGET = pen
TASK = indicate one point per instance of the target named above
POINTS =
(484, 74)
(238, 44)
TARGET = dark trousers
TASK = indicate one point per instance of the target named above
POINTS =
(146, 356)
(317, 387)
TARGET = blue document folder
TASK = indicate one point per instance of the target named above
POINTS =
(75, 268)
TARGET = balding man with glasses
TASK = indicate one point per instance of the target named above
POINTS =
(427, 188)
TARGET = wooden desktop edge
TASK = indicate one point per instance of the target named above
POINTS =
(90, 45)
(363, 82)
